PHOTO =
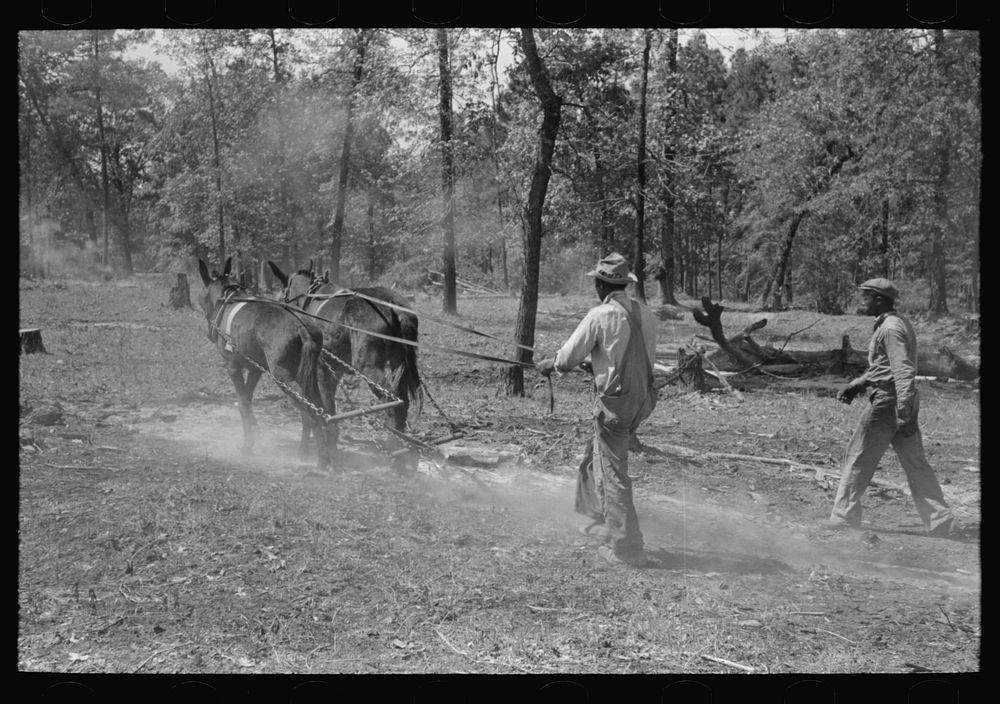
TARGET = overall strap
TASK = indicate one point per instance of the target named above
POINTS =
(635, 324)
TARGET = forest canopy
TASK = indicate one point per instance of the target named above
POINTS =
(780, 174)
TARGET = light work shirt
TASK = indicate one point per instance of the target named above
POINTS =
(603, 336)
(892, 356)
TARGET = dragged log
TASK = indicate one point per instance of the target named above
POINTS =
(711, 317)
(945, 364)
(740, 353)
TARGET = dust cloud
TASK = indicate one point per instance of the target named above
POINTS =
(682, 531)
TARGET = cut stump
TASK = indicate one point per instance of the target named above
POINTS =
(31, 341)
(180, 294)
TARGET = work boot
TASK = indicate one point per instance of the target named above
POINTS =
(945, 530)
(597, 529)
(607, 553)
(837, 524)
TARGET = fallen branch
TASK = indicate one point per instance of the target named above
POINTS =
(945, 614)
(852, 642)
(730, 663)
(82, 467)
(740, 352)
(794, 464)
(791, 335)
(448, 643)
(711, 317)
(158, 652)
(725, 384)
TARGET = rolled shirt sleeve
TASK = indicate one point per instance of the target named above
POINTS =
(900, 348)
(579, 345)
(603, 336)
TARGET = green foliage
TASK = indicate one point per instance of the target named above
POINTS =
(874, 135)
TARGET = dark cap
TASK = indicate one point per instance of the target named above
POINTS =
(881, 286)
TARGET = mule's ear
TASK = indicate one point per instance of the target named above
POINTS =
(282, 276)
(203, 270)
(326, 276)
(310, 269)
(228, 267)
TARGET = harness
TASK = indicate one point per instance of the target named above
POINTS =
(220, 321)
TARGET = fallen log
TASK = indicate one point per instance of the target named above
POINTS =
(740, 353)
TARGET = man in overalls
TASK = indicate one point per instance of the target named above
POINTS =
(890, 382)
(619, 337)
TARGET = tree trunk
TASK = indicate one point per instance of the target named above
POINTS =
(373, 251)
(506, 270)
(666, 275)
(938, 303)
(105, 188)
(722, 234)
(607, 234)
(449, 303)
(495, 97)
(884, 244)
(125, 236)
(180, 294)
(274, 56)
(781, 266)
(210, 77)
(547, 133)
(640, 191)
(336, 236)
(974, 282)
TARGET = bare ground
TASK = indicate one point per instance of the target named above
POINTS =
(150, 543)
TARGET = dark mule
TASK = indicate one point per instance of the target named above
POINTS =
(256, 328)
(391, 365)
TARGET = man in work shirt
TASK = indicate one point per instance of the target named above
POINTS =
(891, 419)
(619, 337)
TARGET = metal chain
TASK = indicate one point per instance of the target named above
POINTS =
(368, 421)
(451, 425)
(317, 410)
(356, 372)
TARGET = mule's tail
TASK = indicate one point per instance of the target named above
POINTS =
(409, 381)
(312, 343)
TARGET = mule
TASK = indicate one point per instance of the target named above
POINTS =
(391, 365)
(253, 329)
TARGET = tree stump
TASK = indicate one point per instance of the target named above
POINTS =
(180, 294)
(31, 341)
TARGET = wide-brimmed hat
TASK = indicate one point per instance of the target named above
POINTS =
(613, 269)
(881, 286)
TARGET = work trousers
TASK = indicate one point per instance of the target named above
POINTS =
(604, 490)
(876, 431)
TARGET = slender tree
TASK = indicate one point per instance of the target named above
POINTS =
(361, 39)
(551, 104)
(449, 304)
(941, 165)
(105, 189)
(666, 275)
(640, 191)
